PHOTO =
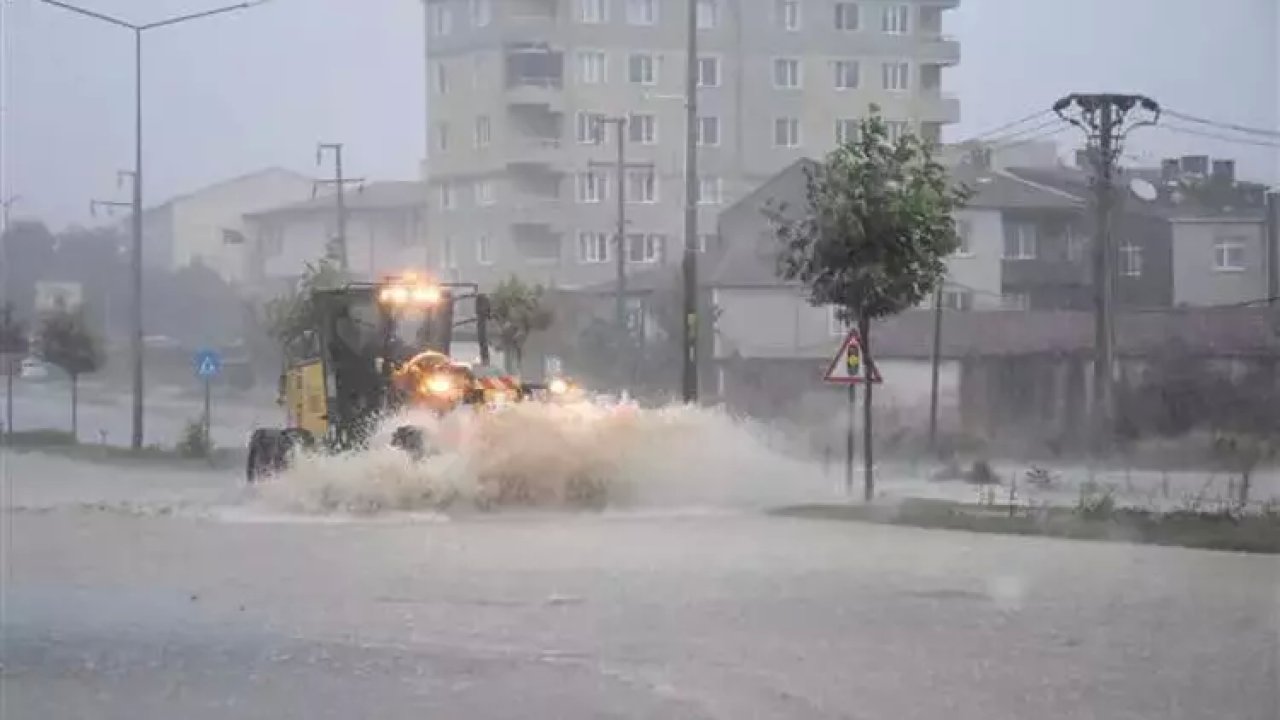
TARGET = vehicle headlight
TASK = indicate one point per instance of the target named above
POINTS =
(558, 387)
(438, 384)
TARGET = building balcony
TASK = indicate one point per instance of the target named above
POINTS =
(544, 152)
(539, 92)
(937, 48)
(535, 212)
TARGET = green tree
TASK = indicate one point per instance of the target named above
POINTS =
(67, 342)
(517, 310)
(288, 316)
(873, 235)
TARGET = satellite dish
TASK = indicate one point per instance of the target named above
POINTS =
(1143, 189)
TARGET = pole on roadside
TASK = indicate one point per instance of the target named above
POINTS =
(208, 418)
(849, 440)
(936, 363)
(136, 339)
(690, 264)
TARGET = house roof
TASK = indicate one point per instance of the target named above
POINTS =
(1177, 201)
(1209, 331)
(746, 264)
(374, 196)
(273, 170)
(638, 282)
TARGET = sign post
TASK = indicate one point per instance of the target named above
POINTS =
(208, 363)
(850, 368)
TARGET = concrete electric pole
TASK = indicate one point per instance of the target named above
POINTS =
(620, 241)
(1106, 119)
(338, 250)
(690, 264)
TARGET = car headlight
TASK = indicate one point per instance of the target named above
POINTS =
(558, 386)
(438, 384)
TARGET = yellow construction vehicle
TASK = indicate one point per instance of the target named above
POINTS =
(376, 348)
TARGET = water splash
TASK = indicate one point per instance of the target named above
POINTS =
(547, 455)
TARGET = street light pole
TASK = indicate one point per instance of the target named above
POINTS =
(690, 264)
(136, 333)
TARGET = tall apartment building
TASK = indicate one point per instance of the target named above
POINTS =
(519, 165)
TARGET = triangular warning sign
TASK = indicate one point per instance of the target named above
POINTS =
(849, 366)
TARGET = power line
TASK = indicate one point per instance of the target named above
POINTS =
(1033, 138)
(1006, 126)
(1223, 125)
(1001, 141)
(1216, 136)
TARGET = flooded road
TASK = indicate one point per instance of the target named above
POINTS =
(158, 594)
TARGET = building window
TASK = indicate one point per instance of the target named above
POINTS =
(896, 76)
(643, 129)
(786, 132)
(642, 12)
(644, 248)
(786, 73)
(481, 12)
(441, 19)
(593, 67)
(449, 254)
(957, 300)
(593, 248)
(1131, 260)
(708, 71)
(896, 20)
(593, 187)
(707, 241)
(1075, 245)
(593, 12)
(442, 136)
(964, 234)
(835, 326)
(709, 190)
(441, 78)
(1228, 255)
(484, 250)
(788, 12)
(484, 131)
(895, 130)
(846, 130)
(847, 72)
(484, 192)
(708, 14)
(1020, 242)
(643, 69)
(642, 186)
(709, 130)
(589, 128)
(847, 17)
(448, 198)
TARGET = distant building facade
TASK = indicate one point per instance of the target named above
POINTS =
(520, 170)
(385, 231)
(206, 226)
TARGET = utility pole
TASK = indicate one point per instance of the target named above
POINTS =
(1106, 119)
(136, 256)
(936, 363)
(1273, 247)
(690, 265)
(338, 250)
(620, 241)
(6, 307)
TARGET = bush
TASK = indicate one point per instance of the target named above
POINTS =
(983, 474)
(194, 443)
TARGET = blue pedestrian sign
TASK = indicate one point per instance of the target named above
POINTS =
(208, 363)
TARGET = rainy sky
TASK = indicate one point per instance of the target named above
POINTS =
(233, 94)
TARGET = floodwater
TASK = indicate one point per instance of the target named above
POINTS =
(345, 590)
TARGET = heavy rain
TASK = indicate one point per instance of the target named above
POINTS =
(640, 358)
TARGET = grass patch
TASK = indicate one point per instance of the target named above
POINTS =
(64, 444)
(1253, 532)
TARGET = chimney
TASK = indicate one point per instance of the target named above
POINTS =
(1195, 165)
(1170, 169)
(1224, 171)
